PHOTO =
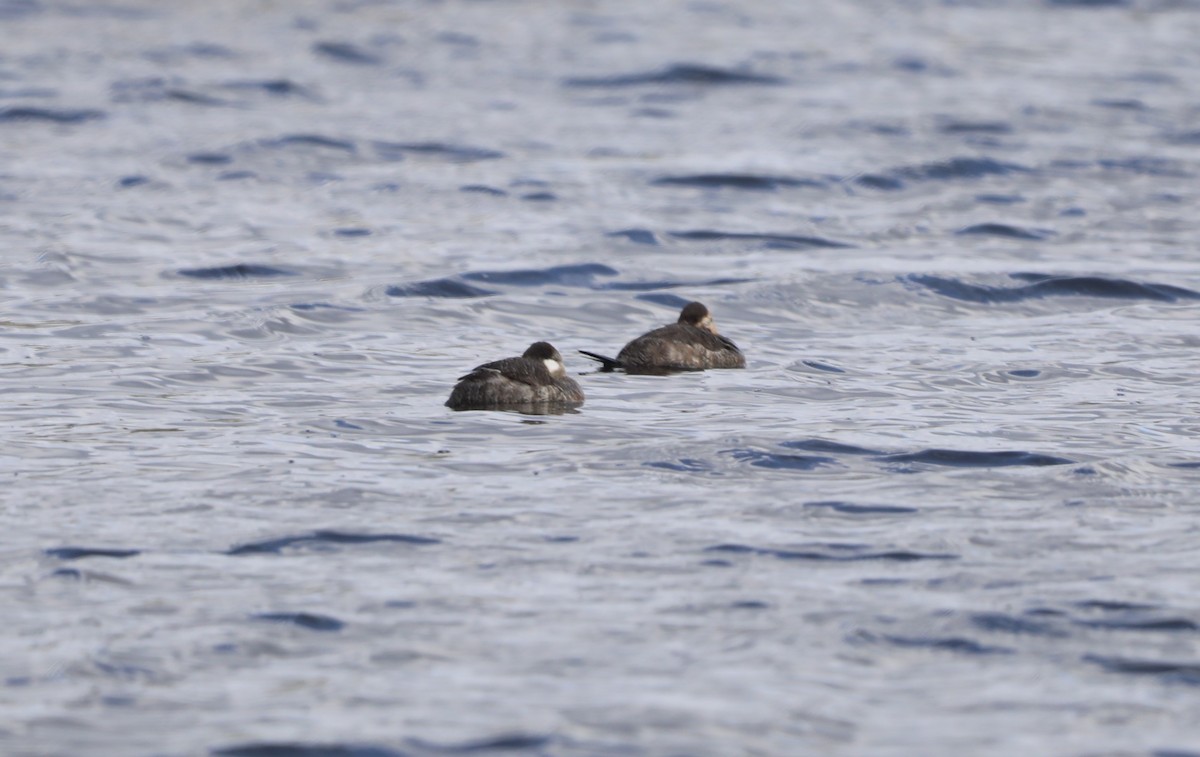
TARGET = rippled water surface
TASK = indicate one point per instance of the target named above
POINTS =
(949, 507)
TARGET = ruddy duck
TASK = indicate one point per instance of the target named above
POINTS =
(536, 381)
(690, 344)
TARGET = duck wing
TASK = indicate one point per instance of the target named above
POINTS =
(522, 370)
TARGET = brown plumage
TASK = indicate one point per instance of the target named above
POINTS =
(690, 344)
(535, 382)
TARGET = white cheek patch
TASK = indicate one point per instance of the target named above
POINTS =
(554, 367)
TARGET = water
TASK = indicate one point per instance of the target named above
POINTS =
(948, 508)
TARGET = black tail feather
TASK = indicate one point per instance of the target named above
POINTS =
(606, 363)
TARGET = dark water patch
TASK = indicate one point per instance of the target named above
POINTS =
(581, 275)
(1109, 605)
(995, 199)
(237, 271)
(734, 181)
(997, 622)
(683, 465)
(749, 604)
(879, 181)
(192, 98)
(296, 749)
(125, 182)
(912, 64)
(637, 236)
(309, 140)
(1096, 286)
(1189, 464)
(14, 9)
(204, 50)
(958, 168)
(275, 87)
(832, 553)
(1134, 623)
(1005, 230)
(966, 459)
(1171, 672)
(307, 620)
(850, 508)
(654, 113)
(1054, 286)
(1146, 166)
(680, 73)
(673, 301)
(444, 150)
(642, 286)
(1025, 373)
(1045, 612)
(346, 52)
(513, 742)
(325, 540)
(449, 287)
(160, 89)
(483, 189)
(340, 423)
(955, 644)
(29, 113)
(778, 241)
(210, 158)
(951, 126)
(834, 448)
(1184, 137)
(458, 39)
(761, 459)
(1119, 104)
(17, 94)
(236, 175)
(539, 197)
(352, 232)
(78, 553)
(323, 306)
(824, 367)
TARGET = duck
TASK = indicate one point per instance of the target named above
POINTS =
(690, 344)
(537, 381)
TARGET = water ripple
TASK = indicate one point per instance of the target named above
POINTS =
(26, 113)
(1171, 672)
(1005, 230)
(78, 553)
(680, 73)
(298, 749)
(325, 539)
(966, 459)
(310, 621)
(236, 271)
(734, 181)
(775, 241)
(1054, 286)
(832, 553)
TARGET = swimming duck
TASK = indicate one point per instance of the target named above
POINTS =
(690, 344)
(535, 381)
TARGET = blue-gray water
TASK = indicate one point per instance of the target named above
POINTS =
(949, 508)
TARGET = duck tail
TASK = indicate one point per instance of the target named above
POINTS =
(607, 364)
